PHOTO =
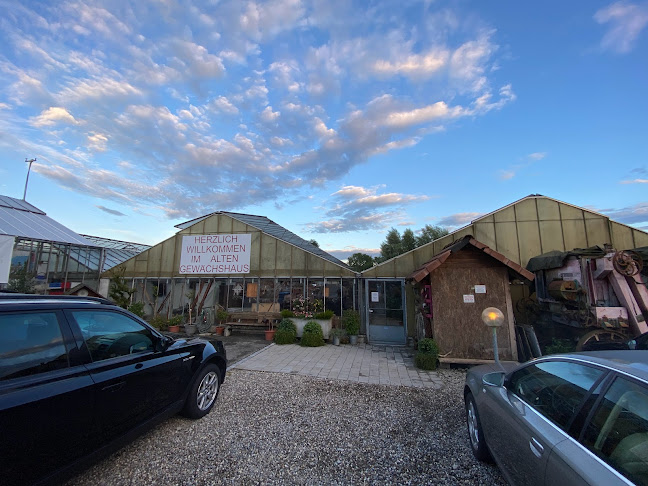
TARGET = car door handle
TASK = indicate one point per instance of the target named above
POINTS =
(536, 447)
(114, 387)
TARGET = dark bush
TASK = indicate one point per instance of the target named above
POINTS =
(286, 332)
(426, 361)
(351, 322)
(327, 314)
(284, 337)
(313, 335)
(558, 346)
(287, 325)
(287, 313)
(428, 346)
(159, 322)
(428, 354)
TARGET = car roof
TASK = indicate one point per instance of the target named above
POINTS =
(17, 298)
(632, 362)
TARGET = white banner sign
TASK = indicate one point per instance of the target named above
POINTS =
(215, 254)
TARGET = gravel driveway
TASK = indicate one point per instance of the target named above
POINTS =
(272, 428)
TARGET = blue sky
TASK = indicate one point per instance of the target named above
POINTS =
(336, 119)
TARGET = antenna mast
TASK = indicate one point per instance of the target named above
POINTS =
(29, 161)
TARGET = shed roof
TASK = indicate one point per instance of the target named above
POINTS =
(273, 229)
(458, 245)
(21, 219)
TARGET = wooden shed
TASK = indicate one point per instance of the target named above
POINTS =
(457, 284)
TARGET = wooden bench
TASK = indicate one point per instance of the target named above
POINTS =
(253, 318)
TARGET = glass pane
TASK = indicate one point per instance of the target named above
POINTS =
(110, 334)
(618, 433)
(31, 343)
(556, 389)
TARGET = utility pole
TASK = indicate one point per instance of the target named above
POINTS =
(29, 161)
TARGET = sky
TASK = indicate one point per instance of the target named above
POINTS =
(336, 119)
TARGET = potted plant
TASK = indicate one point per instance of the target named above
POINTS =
(221, 317)
(270, 332)
(334, 336)
(351, 320)
(174, 323)
(190, 328)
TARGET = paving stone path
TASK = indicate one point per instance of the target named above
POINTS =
(364, 363)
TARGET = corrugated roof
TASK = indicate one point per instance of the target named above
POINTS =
(117, 251)
(21, 219)
(273, 229)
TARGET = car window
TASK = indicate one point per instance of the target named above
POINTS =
(30, 343)
(555, 389)
(111, 334)
(618, 431)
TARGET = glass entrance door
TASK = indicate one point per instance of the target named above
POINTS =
(386, 311)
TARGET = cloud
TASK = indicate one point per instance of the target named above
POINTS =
(114, 212)
(635, 214)
(625, 21)
(238, 102)
(416, 66)
(635, 181)
(458, 219)
(537, 155)
(97, 142)
(355, 208)
(52, 116)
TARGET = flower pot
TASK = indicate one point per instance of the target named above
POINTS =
(174, 328)
(269, 334)
(353, 339)
(220, 330)
(190, 329)
(227, 332)
(336, 340)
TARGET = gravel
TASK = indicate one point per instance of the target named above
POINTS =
(271, 428)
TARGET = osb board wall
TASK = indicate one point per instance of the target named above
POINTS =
(269, 257)
(525, 229)
(458, 328)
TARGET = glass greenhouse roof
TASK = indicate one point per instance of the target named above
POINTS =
(21, 219)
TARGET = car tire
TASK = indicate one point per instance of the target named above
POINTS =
(475, 432)
(203, 393)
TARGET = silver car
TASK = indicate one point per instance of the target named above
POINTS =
(573, 419)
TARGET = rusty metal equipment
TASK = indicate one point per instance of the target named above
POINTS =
(591, 297)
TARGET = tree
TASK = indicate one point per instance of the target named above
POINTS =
(391, 247)
(430, 233)
(314, 243)
(408, 241)
(119, 291)
(20, 280)
(360, 261)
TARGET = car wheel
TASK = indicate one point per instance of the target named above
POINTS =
(475, 432)
(203, 393)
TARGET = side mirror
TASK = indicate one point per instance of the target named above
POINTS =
(163, 343)
(495, 378)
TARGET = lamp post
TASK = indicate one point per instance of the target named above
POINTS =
(30, 162)
(493, 318)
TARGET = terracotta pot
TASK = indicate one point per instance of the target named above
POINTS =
(220, 330)
(174, 328)
(270, 334)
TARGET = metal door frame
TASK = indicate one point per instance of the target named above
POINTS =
(366, 309)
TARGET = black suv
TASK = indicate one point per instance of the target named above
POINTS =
(80, 376)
